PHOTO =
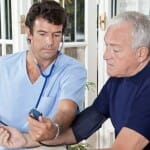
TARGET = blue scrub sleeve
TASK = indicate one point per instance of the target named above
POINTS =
(87, 122)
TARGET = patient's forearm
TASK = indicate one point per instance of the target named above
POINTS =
(65, 138)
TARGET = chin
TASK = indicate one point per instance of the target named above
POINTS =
(111, 74)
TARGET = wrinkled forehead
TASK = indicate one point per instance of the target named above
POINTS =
(122, 31)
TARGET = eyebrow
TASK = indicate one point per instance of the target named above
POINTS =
(112, 44)
(48, 32)
(118, 45)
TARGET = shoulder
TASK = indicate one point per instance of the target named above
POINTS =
(69, 60)
(11, 59)
(70, 64)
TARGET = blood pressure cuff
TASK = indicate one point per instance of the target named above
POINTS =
(86, 123)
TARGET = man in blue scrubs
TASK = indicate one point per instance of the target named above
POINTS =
(125, 98)
(42, 78)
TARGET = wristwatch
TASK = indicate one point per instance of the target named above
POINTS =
(58, 130)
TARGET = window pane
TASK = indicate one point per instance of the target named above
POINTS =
(61, 2)
(0, 50)
(34, 1)
(75, 25)
(80, 21)
(8, 19)
(0, 22)
(70, 10)
(9, 49)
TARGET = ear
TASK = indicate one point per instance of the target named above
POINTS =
(142, 54)
(28, 33)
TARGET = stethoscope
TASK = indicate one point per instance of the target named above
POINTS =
(34, 111)
(46, 77)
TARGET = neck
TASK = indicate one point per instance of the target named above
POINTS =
(32, 70)
(44, 63)
(141, 66)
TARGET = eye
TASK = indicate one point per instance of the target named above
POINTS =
(116, 50)
(57, 34)
(42, 34)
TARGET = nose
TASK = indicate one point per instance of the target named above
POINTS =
(107, 54)
(49, 40)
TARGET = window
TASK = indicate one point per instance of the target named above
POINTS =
(136, 5)
(5, 27)
(8, 21)
(34, 1)
(75, 25)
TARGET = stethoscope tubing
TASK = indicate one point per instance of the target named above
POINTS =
(46, 78)
(44, 84)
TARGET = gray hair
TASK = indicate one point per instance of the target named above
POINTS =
(141, 27)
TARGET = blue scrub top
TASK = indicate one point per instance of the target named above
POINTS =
(18, 95)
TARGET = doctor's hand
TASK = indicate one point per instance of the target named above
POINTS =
(42, 129)
(11, 137)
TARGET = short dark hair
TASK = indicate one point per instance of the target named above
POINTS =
(49, 10)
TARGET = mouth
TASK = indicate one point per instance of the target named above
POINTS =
(47, 49)
(109, 65)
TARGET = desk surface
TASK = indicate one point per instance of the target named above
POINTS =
(48, 148)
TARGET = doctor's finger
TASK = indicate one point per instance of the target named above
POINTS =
(34, 123)
(34, 129)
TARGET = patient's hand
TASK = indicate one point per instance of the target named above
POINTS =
(11, 137)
